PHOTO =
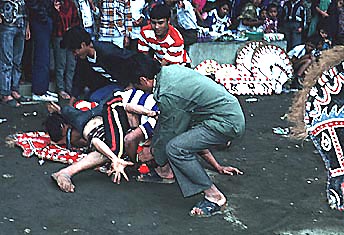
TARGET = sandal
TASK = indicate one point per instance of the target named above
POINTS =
(153, 177)
(19, 98)
(208, 208)
(11, 103)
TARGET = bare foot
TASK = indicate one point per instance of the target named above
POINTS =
(64, 182)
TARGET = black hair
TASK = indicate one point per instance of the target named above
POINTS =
(160, 11)
(272, 5)
(73, 38)
(53, 125)
(144, 66)
(221, 3)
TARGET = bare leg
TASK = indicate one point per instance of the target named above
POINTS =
(305, 64)
(63, 177)
(165, 171)
(131, 142)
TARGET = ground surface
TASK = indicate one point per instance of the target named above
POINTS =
(281, 192)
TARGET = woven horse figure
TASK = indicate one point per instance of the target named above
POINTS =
(318, 112)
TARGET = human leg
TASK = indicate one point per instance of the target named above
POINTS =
(41, 58)
(60, 63)
(70, 70)
(63, 176)
(131, 142)
(182, 153)
(18, 50)
(7, 35)
(6, 59)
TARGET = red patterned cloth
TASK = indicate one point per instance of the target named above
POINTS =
(38, 143)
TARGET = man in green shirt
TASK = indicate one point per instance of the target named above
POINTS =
(196, 114)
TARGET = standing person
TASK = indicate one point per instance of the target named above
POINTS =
(186, 21)
(65, 17)
(41, 26)
(319, 15)
(271, 22)
(196, 114)
(115, 21)
(161, 37)
(335, 24)
(293, 22)
(87, 13)
(12, 36)
(137, 7)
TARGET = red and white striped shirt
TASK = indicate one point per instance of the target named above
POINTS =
(170, 48)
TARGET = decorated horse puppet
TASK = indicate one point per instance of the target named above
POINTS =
(318, 112)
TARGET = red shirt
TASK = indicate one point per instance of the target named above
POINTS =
(66, 18)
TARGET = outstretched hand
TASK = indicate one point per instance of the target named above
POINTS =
(228, 170)
(117, 168)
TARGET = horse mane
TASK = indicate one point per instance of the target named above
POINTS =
(327, 60)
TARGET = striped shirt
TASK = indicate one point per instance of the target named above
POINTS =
(138, 97)
(115, 17)
(170, 48)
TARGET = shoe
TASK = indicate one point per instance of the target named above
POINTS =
(45, 97)
(64, 95)
(11, 103)
(52, 94)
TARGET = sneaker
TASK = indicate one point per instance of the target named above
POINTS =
(44, 97)
(52, 94)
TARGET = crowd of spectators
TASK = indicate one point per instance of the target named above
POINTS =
(135, 25)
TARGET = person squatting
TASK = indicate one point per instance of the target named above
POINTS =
(193, 115)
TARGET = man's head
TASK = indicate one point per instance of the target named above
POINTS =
(142, 71)
(77, 40)
(223, 8)
(159, 20)
(56, 127)
(257, 2)
(310, 44)
(273, 10)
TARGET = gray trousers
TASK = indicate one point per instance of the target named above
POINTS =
(65, 63)
(182, 155)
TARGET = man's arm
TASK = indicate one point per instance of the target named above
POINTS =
(117, 166)
(227, 170)
(172, 122)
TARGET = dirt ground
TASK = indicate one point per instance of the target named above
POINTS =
(282, 191)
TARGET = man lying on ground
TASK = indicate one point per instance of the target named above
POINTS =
(104, 130)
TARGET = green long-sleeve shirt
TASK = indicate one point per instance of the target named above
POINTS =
(187, 99)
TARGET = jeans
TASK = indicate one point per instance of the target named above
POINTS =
(41, 33)
(182, 155)
(11, 51)
(65, 63)
(104, 92)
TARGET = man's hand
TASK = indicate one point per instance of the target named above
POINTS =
(126, 41)
(117, 168)
(57, 5)
(53, 107)
(228, 170)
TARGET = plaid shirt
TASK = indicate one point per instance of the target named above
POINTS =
(115, 17)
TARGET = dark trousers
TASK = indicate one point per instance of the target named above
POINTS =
(41, 33)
